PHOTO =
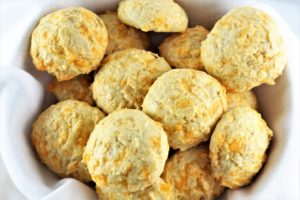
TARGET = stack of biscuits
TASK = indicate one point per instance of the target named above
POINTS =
(181, 123)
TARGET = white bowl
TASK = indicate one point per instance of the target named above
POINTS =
(23, 97)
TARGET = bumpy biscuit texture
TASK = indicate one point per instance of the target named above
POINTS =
(183, 50)
(60, 134)
(240, 99)
(244, 49)
(125, 77)
(238, 146)
(126, 152)
(77, 88)
(160, 190)
(121, 36)
(68, 42)
(153, 15)
(188, 103)
(190, 174)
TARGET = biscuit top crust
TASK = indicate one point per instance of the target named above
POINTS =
(244, 49)
(247, 98)
(182, 50)
(153, 15)
(125, 77)
(68, 42)
(60, 134)
(160, 190)
(126, 152)
(238, 146)
(188, 103)
(121, 36)
(77, 88)
(190, 174)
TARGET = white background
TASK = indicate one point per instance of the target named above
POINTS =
(289, 9)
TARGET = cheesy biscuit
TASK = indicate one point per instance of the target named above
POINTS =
(244, 49)
(68, 42)
(188, 103)
(160, 190)
(77, 88)
(238, 146)
(153, 15)
(190, 174)
(126, 152)
(124, 78)
(183, 50)
(240, 99)
(60, 134)
(121, 36)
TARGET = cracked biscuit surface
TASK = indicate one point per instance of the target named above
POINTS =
(68, 42)
(122, 36)
(60, 134)
(126, 152)
(190, 174)
(77, 88)
(183, 50)
(244, 49)
(188, 103)
(153, 15)
(238, 146)
(125, 77)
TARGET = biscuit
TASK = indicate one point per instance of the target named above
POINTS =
(153, 15)
(160, 190)
(183, 50)
(188, 103)
(77, 88)
(60, 134)
(68, 42)
(126, 152)
(190, 174)
(124, 78)
(121, 36)
(238, 146)
(247, 98)
(244, 49)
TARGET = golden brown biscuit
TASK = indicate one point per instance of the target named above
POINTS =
(190, 174)
(246, 98)
(153, 15)
(238, 146)
(188, 103)
(244, 49)
(183, 50)
(121, 36)
(124, 78)
(60, 134)
(68, 42)
(77, 88)
(126, 152)
(160, 190)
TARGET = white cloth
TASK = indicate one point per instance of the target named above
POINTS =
(23, 96)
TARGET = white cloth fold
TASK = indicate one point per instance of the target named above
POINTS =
(23, 97)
